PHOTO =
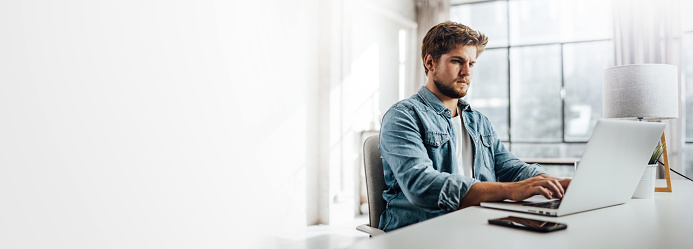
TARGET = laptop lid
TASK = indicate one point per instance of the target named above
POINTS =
(609, 170)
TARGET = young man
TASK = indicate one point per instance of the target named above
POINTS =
(439, 154)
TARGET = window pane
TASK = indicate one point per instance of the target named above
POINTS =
(489, 18)
(583, 67)
(686, 18)
(687, 48)
(550, 150)
(546, 21)
(488, 92)
(535, 94)
(558, 150)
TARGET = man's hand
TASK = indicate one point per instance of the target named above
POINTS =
(563, 181)
(548, 186)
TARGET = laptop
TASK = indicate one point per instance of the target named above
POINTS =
(608, 173)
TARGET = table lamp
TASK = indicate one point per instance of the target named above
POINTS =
(642, 91)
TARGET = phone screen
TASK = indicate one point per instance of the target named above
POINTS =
(528, 224)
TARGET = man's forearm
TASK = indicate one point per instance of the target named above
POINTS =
(484, 191)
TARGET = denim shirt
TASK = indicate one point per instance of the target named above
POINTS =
(417, 144)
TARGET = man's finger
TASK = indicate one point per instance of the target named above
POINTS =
(553, 186)
(560, 186)
(543, 191)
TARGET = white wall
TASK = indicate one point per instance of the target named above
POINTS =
(155, 124)
(360, 41)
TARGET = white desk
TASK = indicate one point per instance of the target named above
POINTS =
(663, 222)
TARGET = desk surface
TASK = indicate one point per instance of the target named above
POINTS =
(663, 222)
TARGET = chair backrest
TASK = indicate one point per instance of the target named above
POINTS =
(375, 180)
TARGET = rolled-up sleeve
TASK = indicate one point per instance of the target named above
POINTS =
(407, 160)
(454, 189)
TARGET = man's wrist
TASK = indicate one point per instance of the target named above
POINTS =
(508, 188)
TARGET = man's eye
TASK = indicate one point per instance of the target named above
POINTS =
(456, 61)
(471, 64)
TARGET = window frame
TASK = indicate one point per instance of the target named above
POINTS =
(509, 142)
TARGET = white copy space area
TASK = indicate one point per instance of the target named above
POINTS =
(138, 124)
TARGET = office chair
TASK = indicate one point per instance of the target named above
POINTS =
(375, 185)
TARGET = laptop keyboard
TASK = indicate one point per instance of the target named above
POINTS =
(548, 204)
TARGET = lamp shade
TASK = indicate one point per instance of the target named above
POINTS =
(643, 91)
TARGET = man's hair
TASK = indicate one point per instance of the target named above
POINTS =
(446, 36)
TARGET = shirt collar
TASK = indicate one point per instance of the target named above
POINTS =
(432, 101)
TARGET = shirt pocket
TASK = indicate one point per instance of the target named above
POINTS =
(436, 139)
(487, 140)
(486, 158)
(487, 148)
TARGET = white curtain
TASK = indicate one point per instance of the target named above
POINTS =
(428, 14)
(649, 31)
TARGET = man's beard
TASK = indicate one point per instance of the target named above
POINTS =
(449, 90)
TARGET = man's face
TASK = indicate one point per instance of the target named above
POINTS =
(452, 72)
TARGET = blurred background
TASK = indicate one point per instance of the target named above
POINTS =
(233, 124)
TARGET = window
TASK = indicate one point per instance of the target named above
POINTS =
(687, 49)
(490, 89)
(539, 79)
(535, 93)
(583, 68)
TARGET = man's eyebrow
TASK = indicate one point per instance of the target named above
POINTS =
(459, 57)
(462, 58)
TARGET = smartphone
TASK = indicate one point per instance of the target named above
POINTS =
(528, 224)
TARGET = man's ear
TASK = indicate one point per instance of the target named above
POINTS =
(429, 62)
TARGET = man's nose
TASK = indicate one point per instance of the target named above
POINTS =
(464, 71)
